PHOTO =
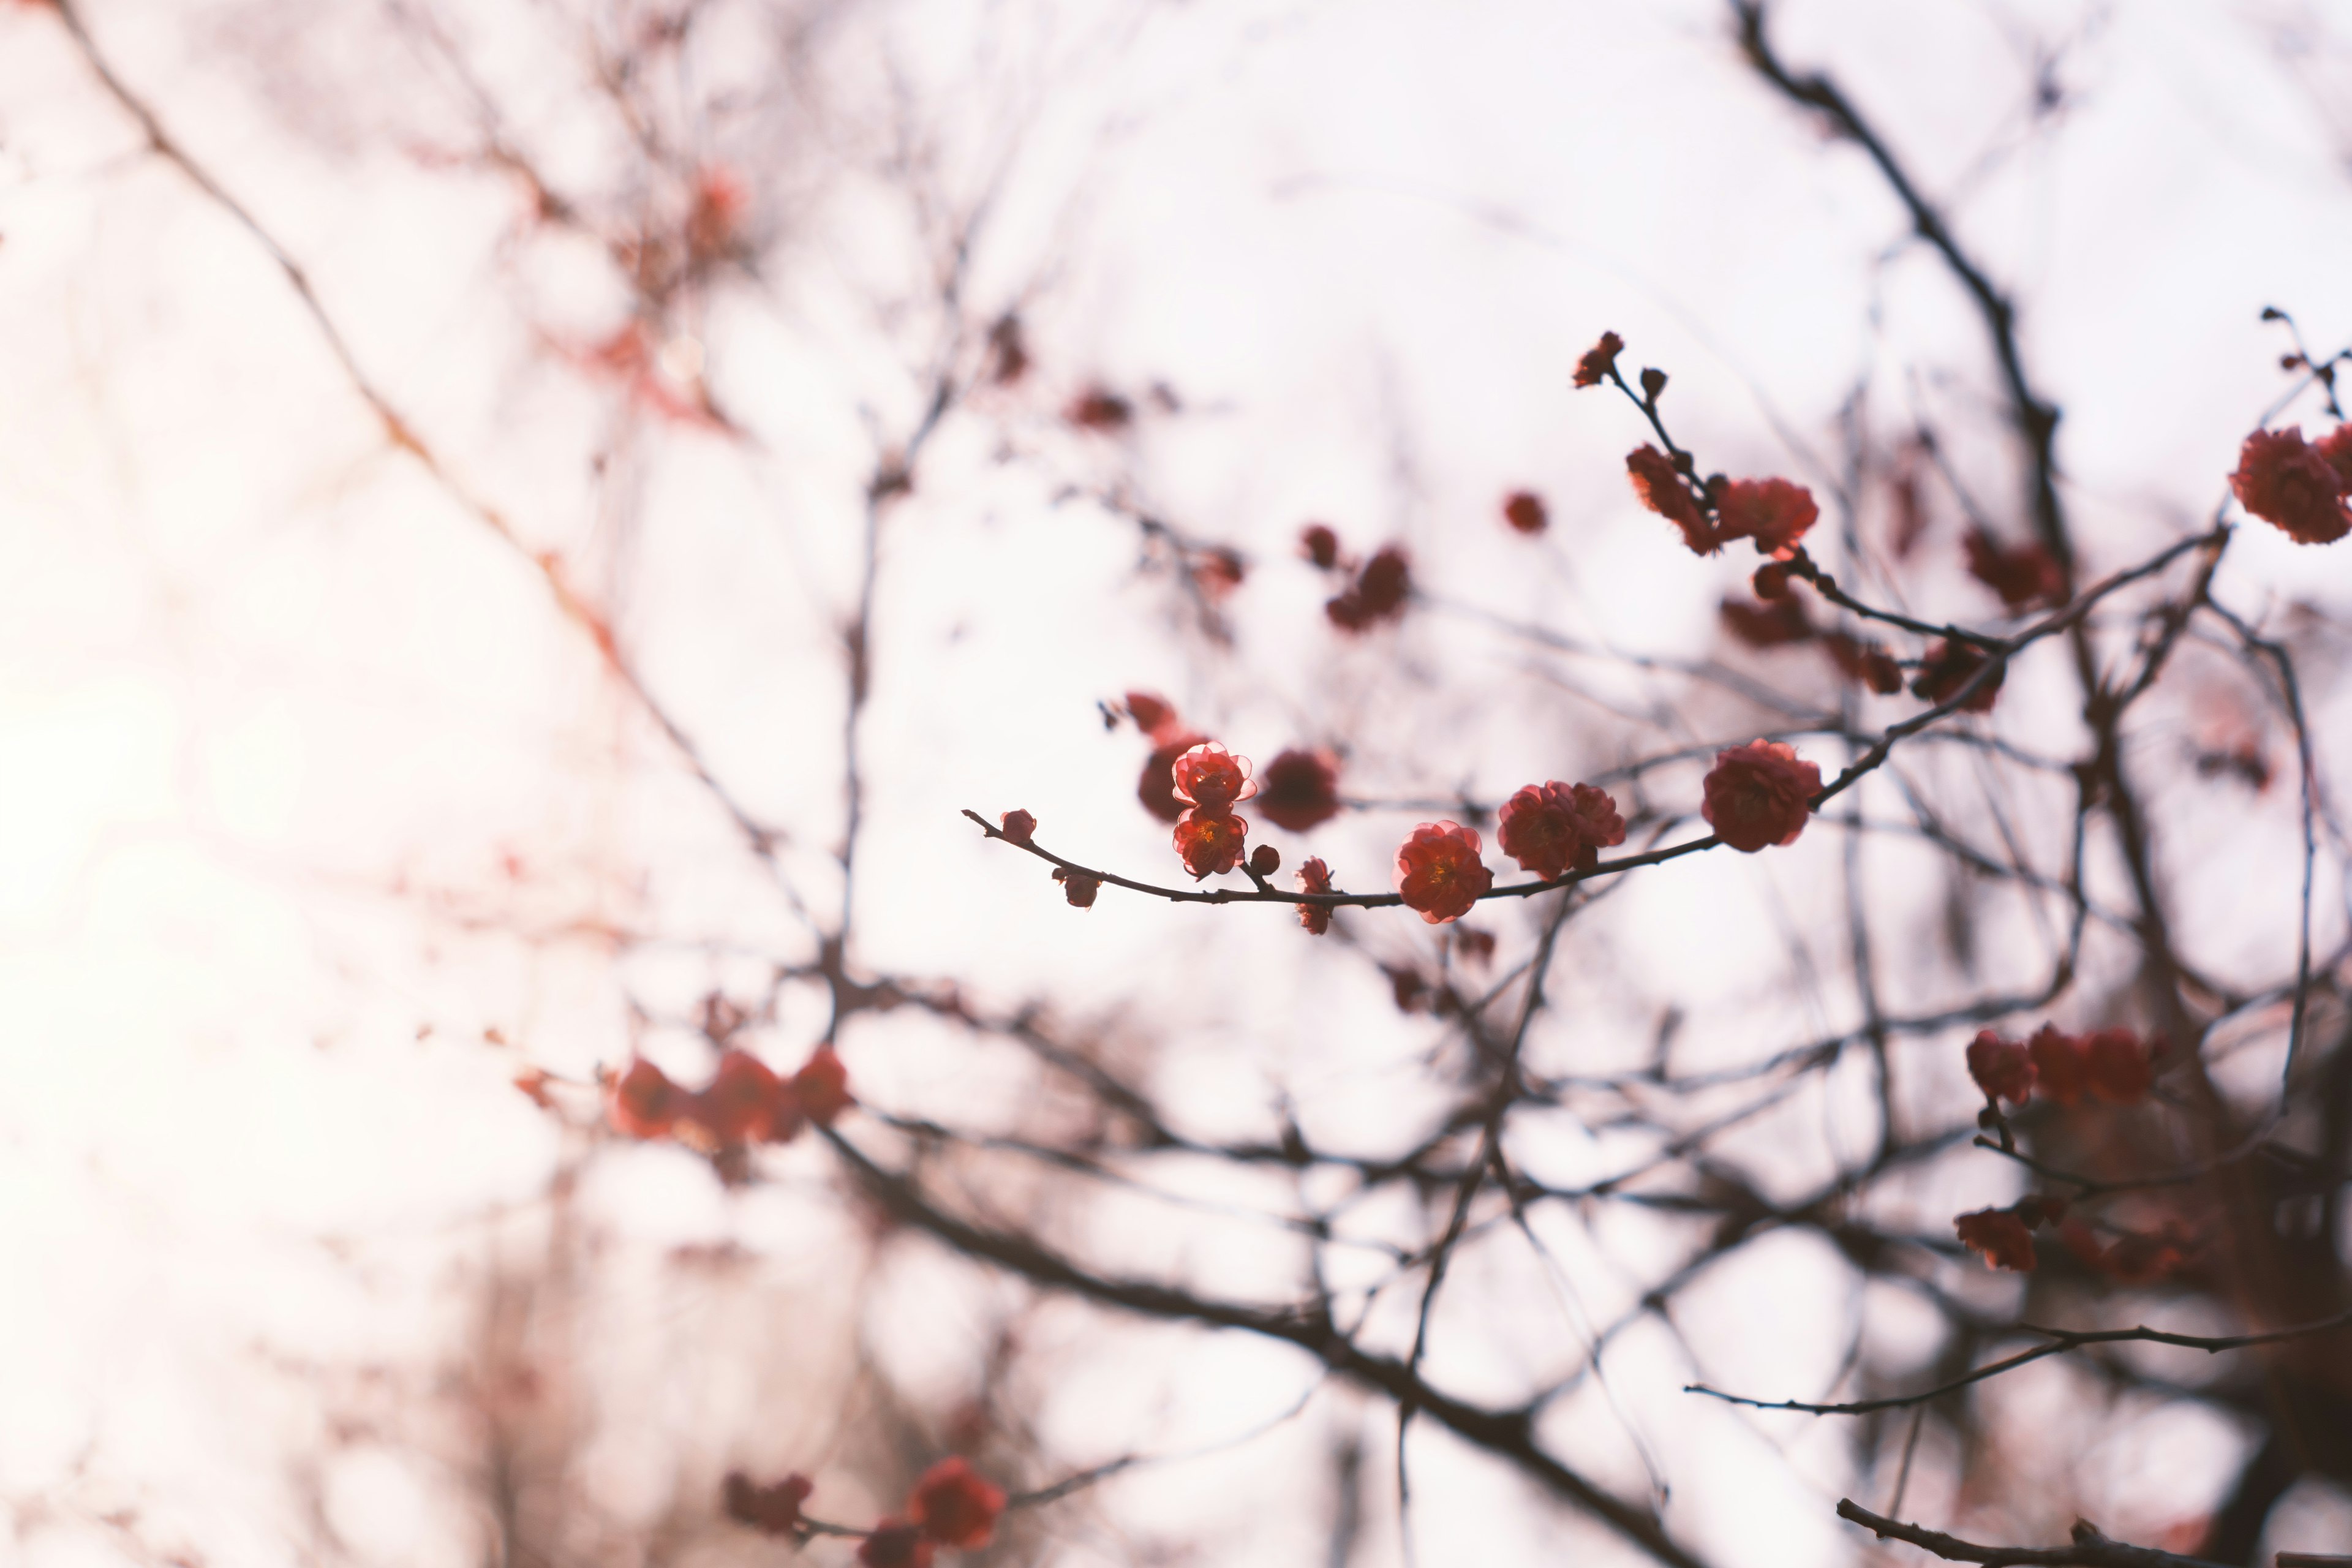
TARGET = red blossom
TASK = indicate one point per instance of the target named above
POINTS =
(1152, 714)
(645, 1103)
(2116, 1064)
(1099, 408)
(1660, 485)
(1157, 788)
(955, 1507)
(773, 1509)
(1301, 789)
(1077, 887)
(2132, 1258)
(740, 1106)
(1438, 872)
(2025, 575)
(1771, 580)
(1524, 509)
(894, 1545)
(2039, 1209)
(823, 1085)
(1314, 877)
(2282, 481)
(1319, 545)
(1773, 512)
(2000, 1236)
(1378, 593)
(1772, 625)
(1553, 828)
(1865, 661)
(1019, 827)
(2059, 1066)
(1265, 860)
(1209, 841)
(1759, 795)
(2002, 1069)
(1208, 776)
(1592, 367)
(1951, 665)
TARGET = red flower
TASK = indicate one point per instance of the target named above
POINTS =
(1524, 509)
(1301, 789)
(739, 1104)
(2059, 1065)
(1773, 512)
(1152, 714)
(1552, 828)
(1771, 580)
(774, 1509)
(1949, 666)
(2282, 481)
(823, 1085)
(1098, 409)
(1319, 545)
(1265, 860)
(1019, 825)
(1758, 794)
(2132, 1258)
(895, 1545)
(2000, 1236)
(1865, 661)
(2021, 577)
(954, 1507)
(1660, 485)
(1593, 365)
(1438, 871)
(2115, 1065)
(1772, 625)
(1077, 887)
(1314, 877)
(645, 1102)
(1378, 593)
(2002, 1069)
(1212, 778)
(1157, 788)
(1209, 841)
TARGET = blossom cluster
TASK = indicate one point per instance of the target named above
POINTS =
(745, 1101)
(949, 1506)
(2303, 488)
(2115, 1064)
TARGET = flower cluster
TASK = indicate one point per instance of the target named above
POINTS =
(1949, 666)
(1378, 593)
(1554, 828)
(2022, 576)
(1210, 780)
(1759, 795)
(1774, 513)
(2305, 489)
(2113, 1065)
(745, 1101)
(1314, 877)
(949, 1506)
(2005, 1237)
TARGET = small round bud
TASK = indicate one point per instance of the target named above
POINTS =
(1265, 860)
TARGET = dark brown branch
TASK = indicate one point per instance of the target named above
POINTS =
(2089, 1549)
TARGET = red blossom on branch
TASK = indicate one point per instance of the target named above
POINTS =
(1773, 512)
(1378, 593)
(896, 1545)
(822, 1086)
(1593, 366)
(955, 1507)
(739, 1104)
(1660, 485)
(2003, 1238)
(773, 1509)
(2002, 1069)
(1314, 877)
(2060, 1068)
(1866, 662)
(1152, 714)
(1019, 827)
(1759, 795)
(1077, 887)
(1523, 511)
(2117, 1066)
(1951, 664)
(1209, 841)
(1300, 789)
(1438, 873)
(1209, 777)
(1156, 786)
(1774, 624)
(2299, 488)
(2336, 448)
(2024, 575)
(644, 1102)
(1553, 828)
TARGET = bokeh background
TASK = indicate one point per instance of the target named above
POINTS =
(324, 819)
